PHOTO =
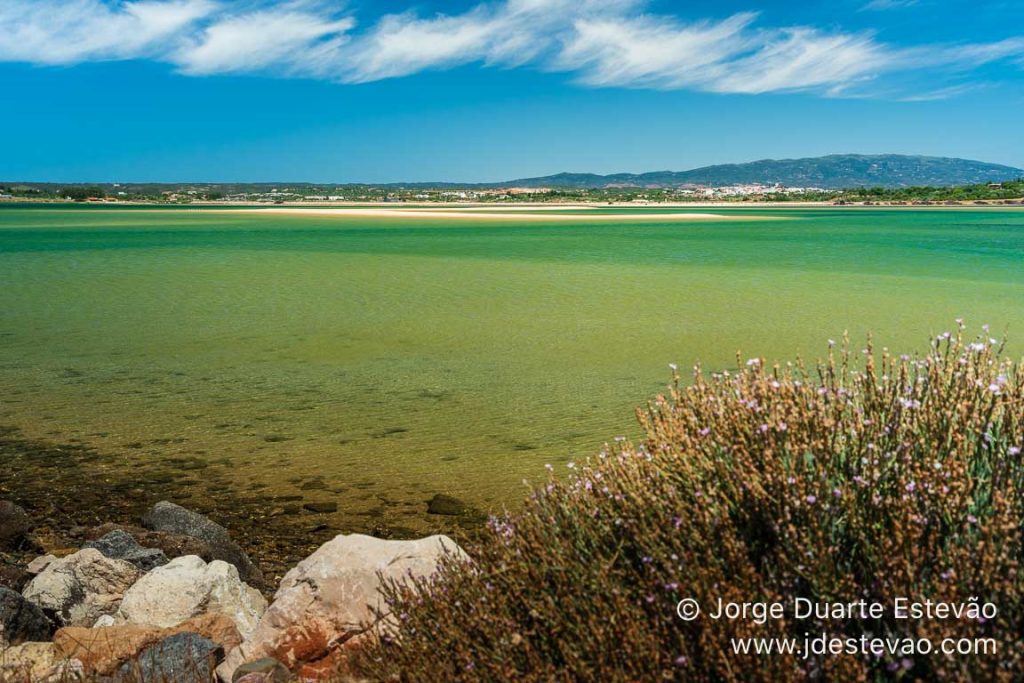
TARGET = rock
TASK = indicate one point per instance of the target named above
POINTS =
(82, 587)
(321, 507)
(172, 545)
(329, 597)
(168, 517)
(441, 504)
(20, 620)
(29, 663)
(14, 524)
(263, 670)
(14, 577)
(37, 565)
(120, 545)
(181, 658)
(187, 587)
(105, 620)
(103, 650)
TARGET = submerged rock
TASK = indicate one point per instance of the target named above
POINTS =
(181, 658)
(327, 600)
(172, 545)
(103, 650)
(14, 577)
(80, 588)
(120, 545)
(14, 524)
(442, 504)
(20, 620)
(321, 507)
(168, 517)
(187, 587)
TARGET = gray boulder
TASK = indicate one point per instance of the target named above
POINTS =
(21, 621)
(168, 517)
(181, 658)
(119, 545)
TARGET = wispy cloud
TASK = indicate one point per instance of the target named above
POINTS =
(600, 43)
(888, 4)
(72, 31)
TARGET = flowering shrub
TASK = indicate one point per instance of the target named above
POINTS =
(878, 479)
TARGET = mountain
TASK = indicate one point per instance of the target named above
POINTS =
(832, 171)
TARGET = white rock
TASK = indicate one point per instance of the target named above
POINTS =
(188, 587)
(105, 620)
(82, 587)
(328, 597)
(40, 563)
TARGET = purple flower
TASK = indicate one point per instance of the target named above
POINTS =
(680, 661)
(837, 492)
(971, 519)
(1014, 450)
(911, 487)
(812, 499)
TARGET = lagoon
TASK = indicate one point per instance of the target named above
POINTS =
(377, 361)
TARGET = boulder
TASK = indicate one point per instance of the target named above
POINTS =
(103, 650)
(120, 545)
(171, 518)
(172, 545)
(14, 524)
(263, 670)
(329, 598)
(29, 663)
(187, 587)
(80, 588)
(181, 658)
(20, 620)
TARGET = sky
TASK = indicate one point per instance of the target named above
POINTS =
(389, 90)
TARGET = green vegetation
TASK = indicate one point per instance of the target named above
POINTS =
(903, 478)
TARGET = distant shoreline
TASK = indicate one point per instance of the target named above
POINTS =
(1017, 204)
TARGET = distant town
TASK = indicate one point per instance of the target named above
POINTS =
(1006, 193)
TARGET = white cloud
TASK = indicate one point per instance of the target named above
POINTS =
(650, 52)
(888, 4)
(284, 39)
(600, 43)
(67, 32)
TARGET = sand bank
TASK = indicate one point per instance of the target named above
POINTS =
(502, 214)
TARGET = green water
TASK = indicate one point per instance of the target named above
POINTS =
(397, 360)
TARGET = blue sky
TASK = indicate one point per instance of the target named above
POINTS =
(333, 91)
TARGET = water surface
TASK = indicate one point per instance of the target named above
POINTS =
(377, 362)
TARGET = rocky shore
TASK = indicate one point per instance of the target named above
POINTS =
(177, 600)
(100, 582)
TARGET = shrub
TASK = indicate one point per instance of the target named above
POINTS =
(883, 478)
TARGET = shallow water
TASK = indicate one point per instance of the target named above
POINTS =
(395, 360)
